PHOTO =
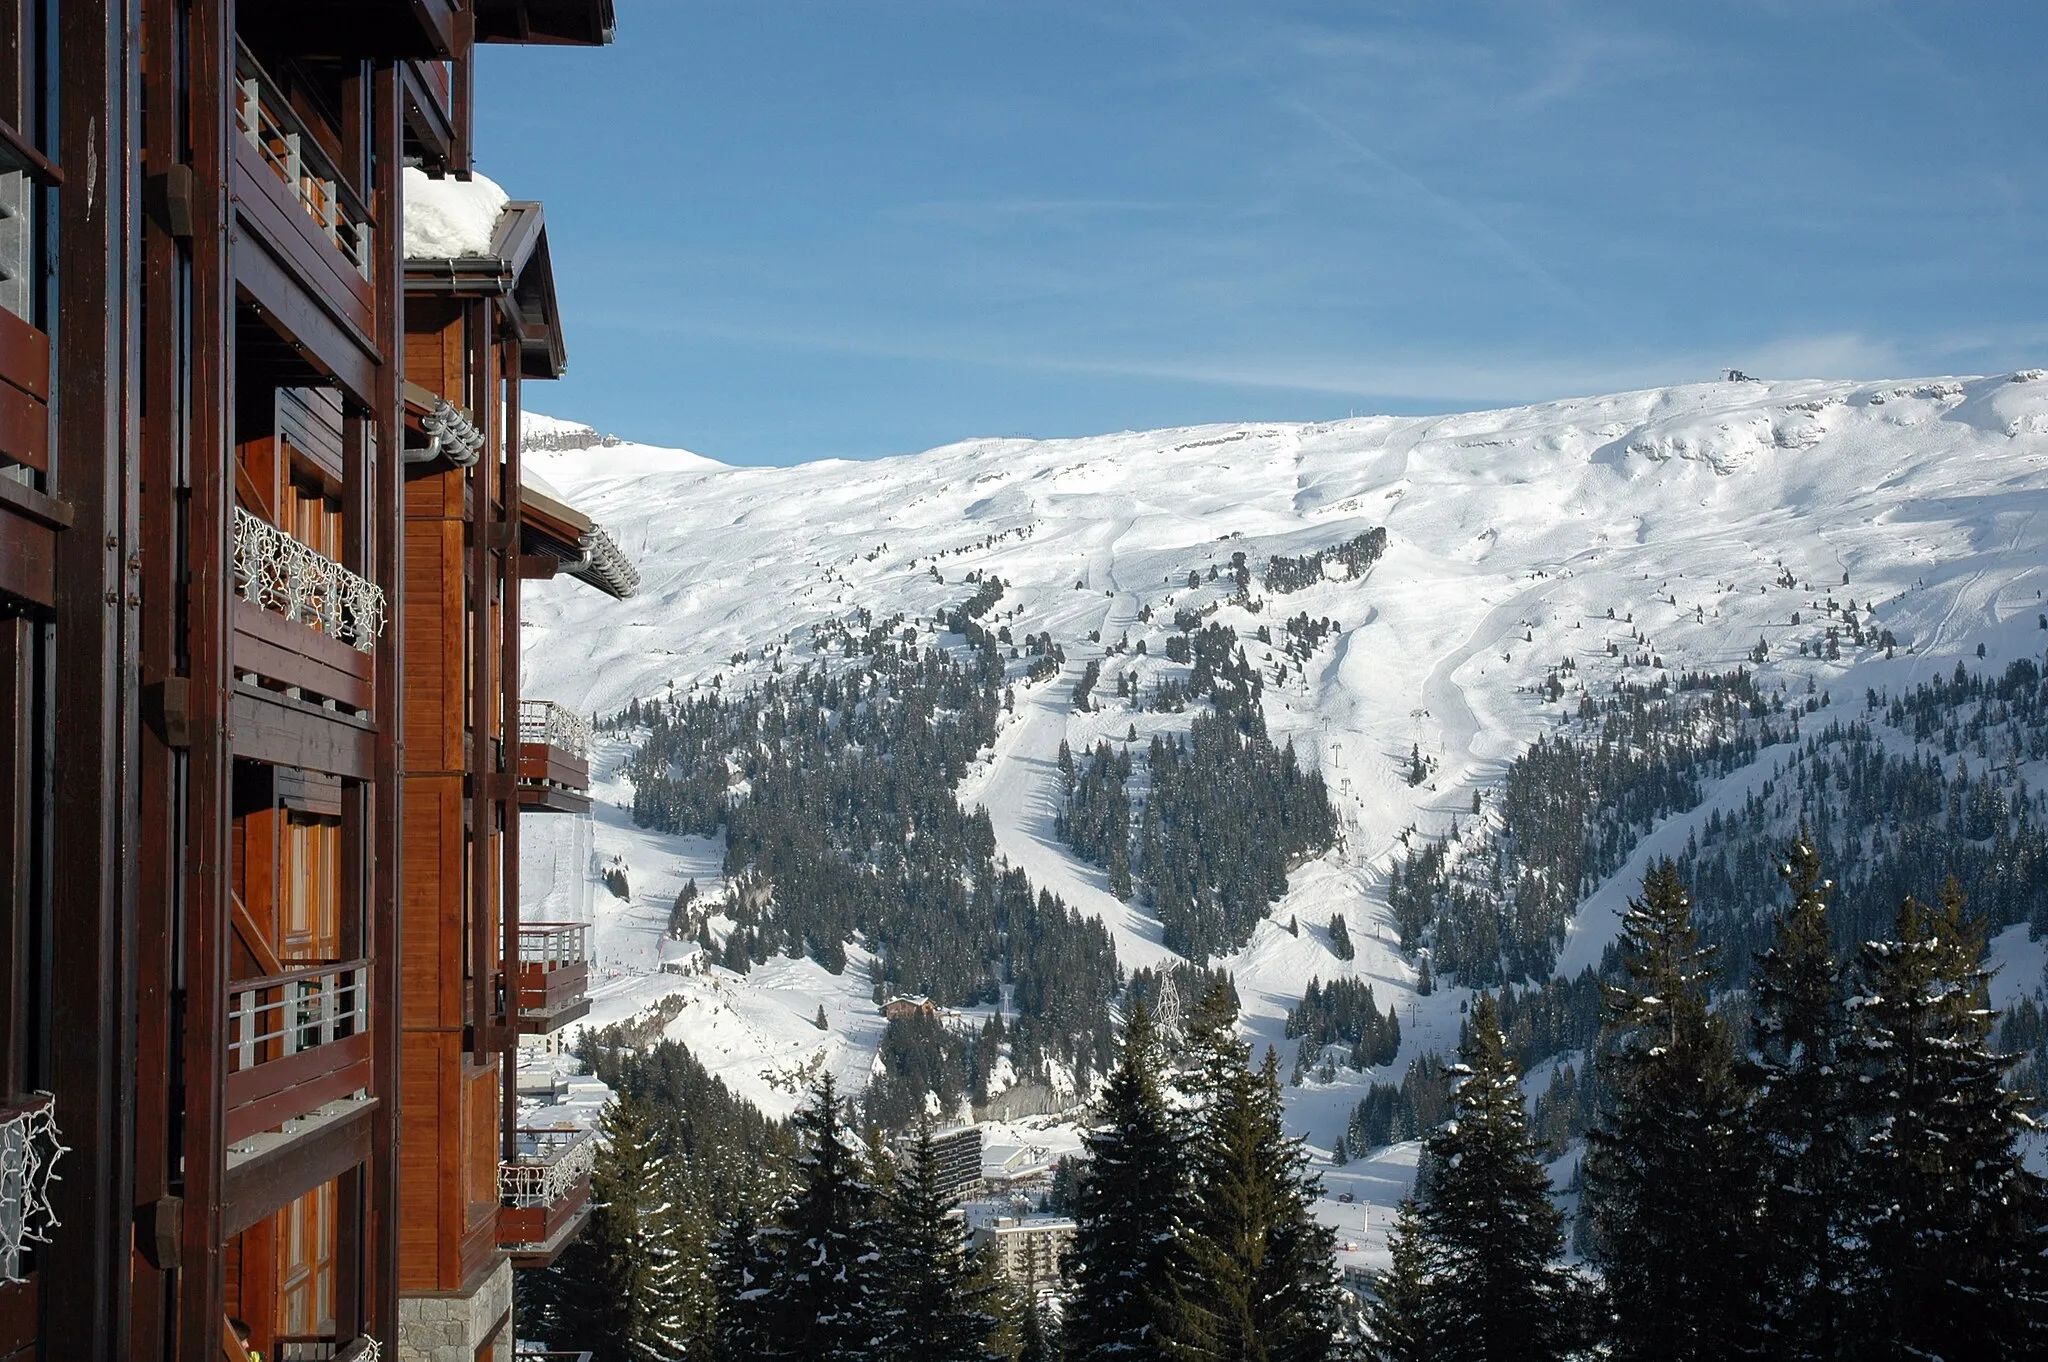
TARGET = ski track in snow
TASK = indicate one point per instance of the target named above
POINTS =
(1510, 535)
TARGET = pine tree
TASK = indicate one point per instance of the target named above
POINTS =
(740, 1270)
(1397, 1328)
(1124, 1212)
(1668, 1176)
(1802, 1121)
(672, 1311)
(934, 1311)
(822, 1299)
(602, 1290)
(1952, 1221)
(1254, 1278)
(1340, 938)
(1489, 1233)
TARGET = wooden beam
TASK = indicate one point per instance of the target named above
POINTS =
(269, 727)
(296, 654)
(387, 413)
(259, 1185)
(329, 344)
(209, 443)
(91, 943)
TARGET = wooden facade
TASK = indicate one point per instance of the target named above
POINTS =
(259, 786)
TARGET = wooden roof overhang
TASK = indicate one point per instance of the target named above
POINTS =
(577, 23)
(355, 29)
(519, 273)
(574, 544)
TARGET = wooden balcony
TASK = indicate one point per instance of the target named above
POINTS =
(296, 1041)
(310, 261)
(29, 525)
(544, 1193)
(554, 758)
(24, 393)
(304, 628)
(554, 975)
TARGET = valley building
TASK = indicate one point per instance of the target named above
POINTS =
(263, 530)
(1029, 1250)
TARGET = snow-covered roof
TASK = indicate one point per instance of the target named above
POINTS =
(450, 218)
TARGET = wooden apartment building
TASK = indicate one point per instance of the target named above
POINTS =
(262, 532)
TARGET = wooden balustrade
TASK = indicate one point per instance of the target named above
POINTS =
(296, 1041)
(552, 989)
(554, 758)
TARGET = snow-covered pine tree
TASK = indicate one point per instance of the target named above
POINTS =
(740, 1269)
(1254, 1278)
(1489, 1234)
(1802, 1121)
(1340, 938)
(602, 1289)
(1668, 1174)
(934, 1311)
(1038, 1329)
(822, 1300)
(1124, 1212)
(1396, 1326)
(1952, 1222)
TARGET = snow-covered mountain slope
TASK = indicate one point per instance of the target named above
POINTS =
(1704, 518)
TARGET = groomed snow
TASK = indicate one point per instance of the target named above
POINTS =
(1511, 533)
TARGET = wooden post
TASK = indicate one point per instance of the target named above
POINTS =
(509, 790)
(85, 1283)
(161, 770)
(209, 760)
(380, 1284)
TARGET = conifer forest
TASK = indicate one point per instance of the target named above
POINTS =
(1778, 1118)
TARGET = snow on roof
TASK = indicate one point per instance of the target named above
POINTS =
(449, 217)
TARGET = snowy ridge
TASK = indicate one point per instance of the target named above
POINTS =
(1511, 535)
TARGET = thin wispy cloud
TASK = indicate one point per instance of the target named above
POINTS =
(889, 225)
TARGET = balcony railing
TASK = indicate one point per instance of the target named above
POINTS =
(554, 975)
(296, 158)
(326, 1348)
(552, 1160)
(296, 1041)
(554, 758)
(278, 573)
(544, 1191)
(29, 1150)
(552, 725)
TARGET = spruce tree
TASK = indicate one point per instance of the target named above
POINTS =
(1397, 1327)
(1802, 1121)
(1489, 1233)
(822, 1300)
(1124, 1212)
(672, 1311)
(1340, 938)
(740, 1271)
(1952, 1221)
(933, 1308)
(602, 1292)
(1668, 1176)
(1254, 1279)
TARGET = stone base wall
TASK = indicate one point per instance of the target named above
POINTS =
(452, 1328)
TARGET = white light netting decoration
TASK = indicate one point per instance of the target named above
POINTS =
(29, 1150)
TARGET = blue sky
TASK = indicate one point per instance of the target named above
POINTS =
(789, 231)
